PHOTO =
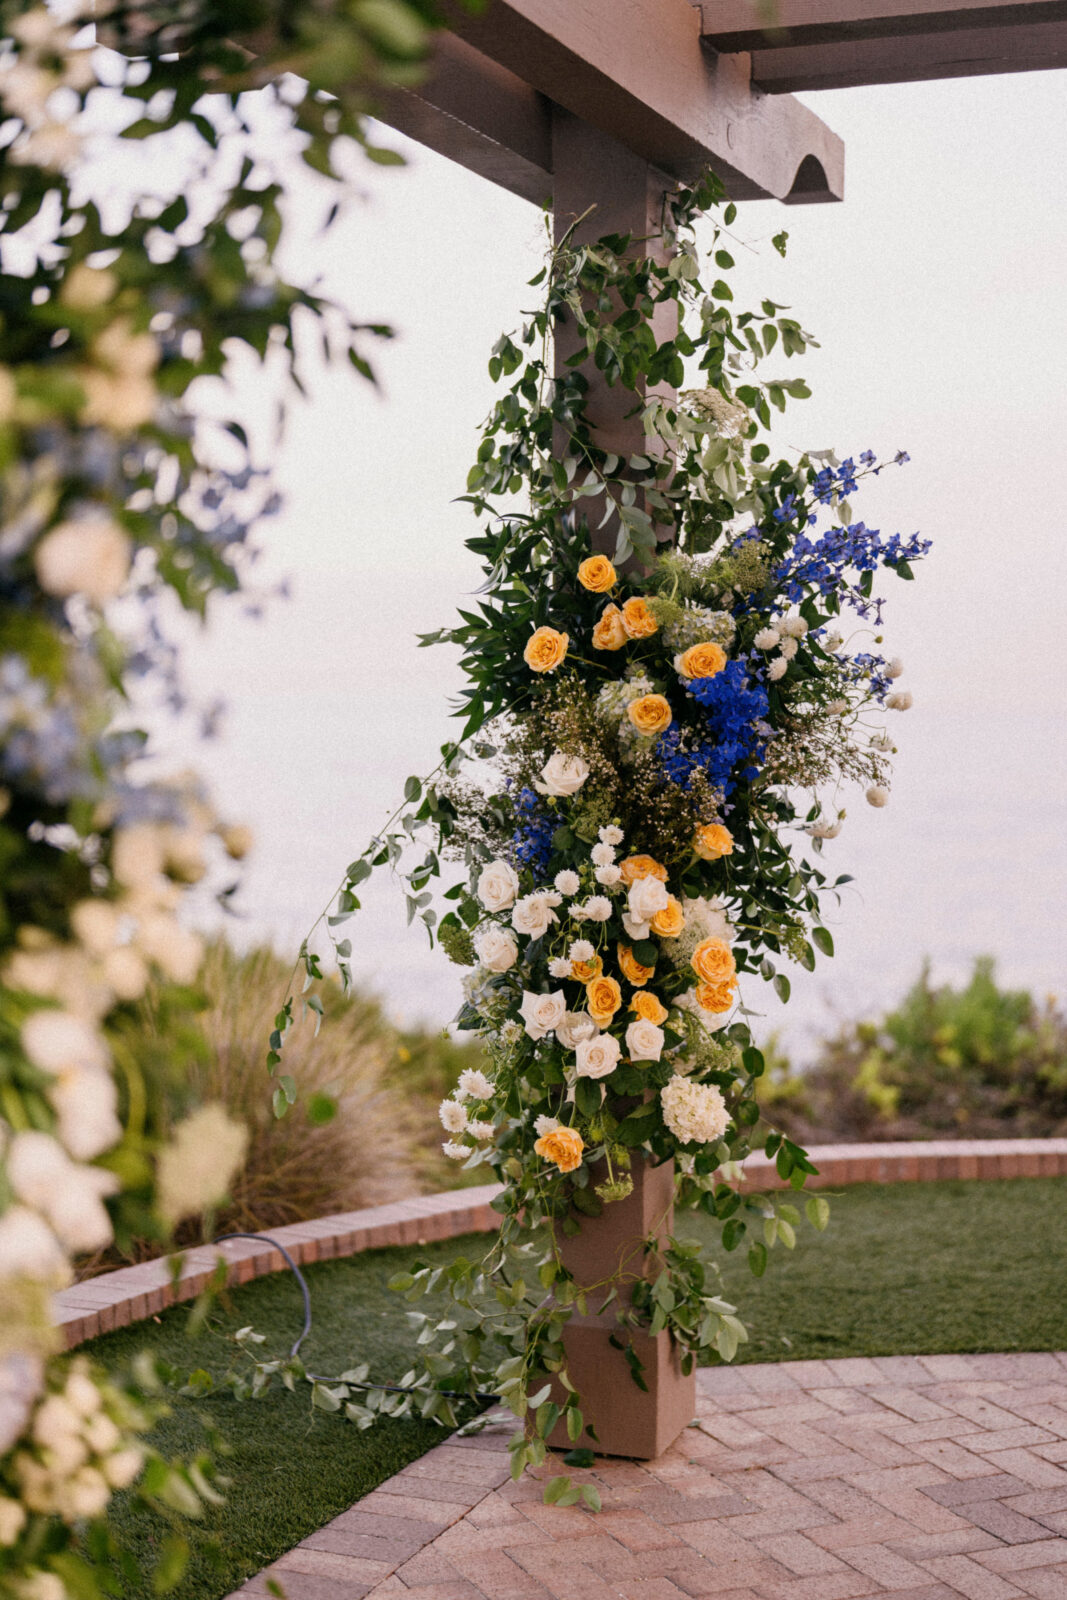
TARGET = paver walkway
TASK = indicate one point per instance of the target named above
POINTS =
(914, 1477)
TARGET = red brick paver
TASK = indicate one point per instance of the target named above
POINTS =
(929, 1478)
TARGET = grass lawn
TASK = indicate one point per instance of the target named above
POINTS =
(909, 1268)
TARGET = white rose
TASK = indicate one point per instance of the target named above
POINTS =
(597, 1057)
(574, 1028)
(498, 884)
(96, 925)
(90, 556)
(644, 1041)
(101, 1434)
(12, 1520)
(453, 1115)
(473, 1085)
(567, 882)
(56, 1042)
(766, 639)
(877, 795)
(777, 668)
(496, 949)
(541, 1013)
(29, 1248)
(608, 876)
(54, 1421)
(598, 908)
(533, 916)
(563, 775)
(646, 897)
(611, 835)
(895, 668)
(635, 928)
(900, 700)
(602, 855)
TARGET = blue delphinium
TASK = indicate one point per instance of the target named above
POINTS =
(531, 843)
(735, 708)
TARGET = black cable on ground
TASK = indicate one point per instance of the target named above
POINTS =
(316, 1377)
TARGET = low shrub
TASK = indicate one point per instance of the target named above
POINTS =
(973, 1062)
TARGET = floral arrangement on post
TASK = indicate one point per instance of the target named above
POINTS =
(659, 647)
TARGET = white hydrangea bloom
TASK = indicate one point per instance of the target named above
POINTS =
(694, 1112)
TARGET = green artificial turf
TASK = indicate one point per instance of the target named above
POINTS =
(907, 1268)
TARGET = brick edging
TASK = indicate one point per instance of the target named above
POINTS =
(116, 1299)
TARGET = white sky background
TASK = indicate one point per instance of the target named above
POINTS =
(937, 292)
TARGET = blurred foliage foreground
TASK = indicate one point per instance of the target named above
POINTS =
(977, 1061)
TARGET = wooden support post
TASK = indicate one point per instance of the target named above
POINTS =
(592, 169)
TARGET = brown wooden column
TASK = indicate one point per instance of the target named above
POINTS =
(590, 168)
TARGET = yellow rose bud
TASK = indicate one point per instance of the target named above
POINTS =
(642, 867)
(609, 633)
(651, 714)
(713, 962)
(597, 575)
(564, 1146)
(669, 922)
(586, 971)
(638, 620)
(632, 968)
(648, 1007)
(702, 661)
(545, 649)
(717, 997)
(712, 841)
(603, 997)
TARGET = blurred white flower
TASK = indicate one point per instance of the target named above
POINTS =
(55, 1042)
(482, 1130)
(87, 555)
(900, 700)
(453, 1115)
(175, 950)
(877, 795)
(837, 708)
(29, 1248)
(197, 1168)
(12, 1519)
(455, 1151)
(21, 1381)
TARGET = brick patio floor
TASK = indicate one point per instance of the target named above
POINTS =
(915, 1477)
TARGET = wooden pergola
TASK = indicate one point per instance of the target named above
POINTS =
(604, 103)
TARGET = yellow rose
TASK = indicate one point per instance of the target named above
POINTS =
(586, 971)
(648, 1007)
(712, 841)
(631, 967)
(713, 962)
(597, 575)
(669, 922)
(651, 714)
(603, 997)
(642, 867)
(564, 1146)
(545, 649)
(609, 633)
(638, 620)
(702, 661)
(717, 997)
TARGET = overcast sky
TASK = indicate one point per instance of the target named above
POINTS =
(936, 290)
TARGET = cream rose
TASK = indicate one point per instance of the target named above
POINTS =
(533, 915)
(496, 949)
(498, 884)
(562, 775)
(597, 1057)
(575, 1028)
(647, 896)
(542, 1013)
(644, 1040)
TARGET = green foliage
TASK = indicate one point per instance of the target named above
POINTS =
(976, 1060)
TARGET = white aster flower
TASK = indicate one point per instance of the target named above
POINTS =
(598, 1056)
(611, 835)
(881, 740)
(877, 795)
(543, 1125)
(454, 1151)
(482, 1130)
(562, 775)
(602, 855)
(582, 950)
(496, 948)
(598, 908)
(473, 1085)
(766, 639)
(608, 875)
(900, 700)
(777, 668)
(196, 1169)
(837, 708)
(559, 967)
(825, 830)
(542, 1013)
(895, 668)
(453, 1115)
(498, 884)
(567, 882)
(793, 627)
(788, 649)
(694, 1112)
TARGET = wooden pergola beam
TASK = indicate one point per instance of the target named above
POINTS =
(637, 72)
(838, 44)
